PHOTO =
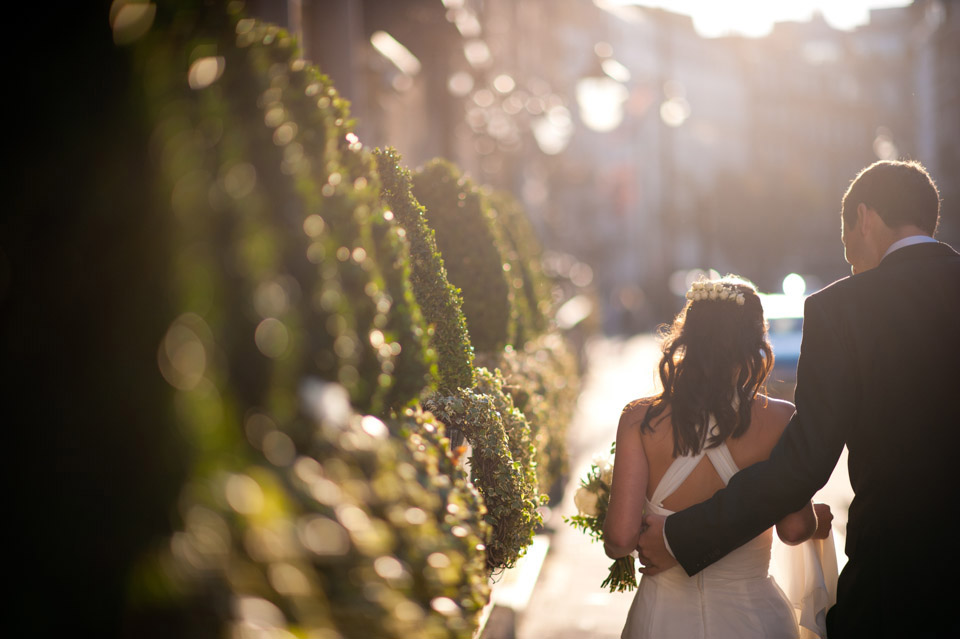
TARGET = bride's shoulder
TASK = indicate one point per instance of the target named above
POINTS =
(774, 412)
(775, 405)
(637, 409)
(634, 412)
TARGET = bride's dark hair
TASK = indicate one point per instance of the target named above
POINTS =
(715, 350)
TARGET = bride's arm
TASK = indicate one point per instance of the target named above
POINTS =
(621, 530)
(797, 527)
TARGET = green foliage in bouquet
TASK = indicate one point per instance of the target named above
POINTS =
(592, 500)
(439, 299)
(456, 211)
(511, 508)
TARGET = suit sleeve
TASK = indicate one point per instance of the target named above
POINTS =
(799, 465)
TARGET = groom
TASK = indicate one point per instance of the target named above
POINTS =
(879, 372)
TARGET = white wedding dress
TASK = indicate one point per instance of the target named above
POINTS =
(734, 598)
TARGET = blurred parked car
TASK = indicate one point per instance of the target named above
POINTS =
(784, 314)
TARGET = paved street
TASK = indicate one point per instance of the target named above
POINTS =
(567, 601)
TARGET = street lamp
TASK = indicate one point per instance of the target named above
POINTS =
(601, 94)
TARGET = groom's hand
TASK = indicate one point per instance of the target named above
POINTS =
(653, 552)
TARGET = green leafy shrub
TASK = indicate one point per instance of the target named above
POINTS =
(502, 481)
(530, 291)
(464, 527)
(519, 435)
(294, 317)
(296, 199)
(355, 531)
(543, 381)
(337, 178)
(251, 260)
(456, 211)
(439, 300)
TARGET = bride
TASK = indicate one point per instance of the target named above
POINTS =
(678, 448)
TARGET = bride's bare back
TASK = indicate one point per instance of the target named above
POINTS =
(643, 458)
(768, 418)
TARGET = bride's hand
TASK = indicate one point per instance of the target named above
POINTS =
(824, 521)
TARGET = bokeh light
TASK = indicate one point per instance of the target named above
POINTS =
(205, 71)
(601, 102)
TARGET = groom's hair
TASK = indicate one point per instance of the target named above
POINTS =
(900, 192)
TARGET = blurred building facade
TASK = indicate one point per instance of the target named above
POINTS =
(639, 146)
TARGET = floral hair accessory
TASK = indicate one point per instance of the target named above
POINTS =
(715, 291)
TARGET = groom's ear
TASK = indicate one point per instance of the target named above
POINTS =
(866, 218)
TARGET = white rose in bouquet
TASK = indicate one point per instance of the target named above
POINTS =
(586, 502)
(604, 468)
(606, 474)
(591, 502)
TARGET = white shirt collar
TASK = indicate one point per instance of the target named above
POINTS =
(908, 241)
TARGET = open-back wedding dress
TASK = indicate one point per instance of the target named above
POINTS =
(733, 598)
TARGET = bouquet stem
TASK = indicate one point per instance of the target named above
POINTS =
(623, 575)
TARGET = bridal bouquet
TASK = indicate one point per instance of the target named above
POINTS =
(592, 499)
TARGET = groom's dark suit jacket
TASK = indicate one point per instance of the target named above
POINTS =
(879, 371)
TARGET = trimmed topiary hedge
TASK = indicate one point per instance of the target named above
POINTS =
(295, 311)
(529, 289)
(251, 261)
(519, 437)
(503, 483)
(357, 531)
(440, 300)
(338, 183)
(543, 381)
(456, 211)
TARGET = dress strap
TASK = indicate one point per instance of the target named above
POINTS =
(723, 462)
(676, 474)
(680, 469)
(720, 456)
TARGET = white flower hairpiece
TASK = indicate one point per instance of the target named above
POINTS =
(715, 291)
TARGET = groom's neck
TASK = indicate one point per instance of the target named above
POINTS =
(896, 234)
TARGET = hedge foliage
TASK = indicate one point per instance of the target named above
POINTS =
(294, 285)
(297, 197)
(529, 289)
(543, 381)
(457, 212)
(304, 328)
(495, 465)
(440, 300)
(360, 532)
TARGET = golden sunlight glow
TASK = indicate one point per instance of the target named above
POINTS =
(755, 18)
(398, 54)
